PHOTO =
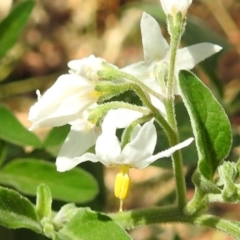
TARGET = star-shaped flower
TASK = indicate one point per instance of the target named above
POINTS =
(157, 51)
(137, 153)
(84, 135)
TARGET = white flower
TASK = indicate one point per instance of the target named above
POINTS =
(66, 100)
(82, 136)
(86, 67)
(137, 153)
(174, 6)
(72, 152)
(156, 51)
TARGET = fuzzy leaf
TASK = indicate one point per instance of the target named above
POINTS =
(17, 211)
(89, 225)
(55, 138)
(26, 174)
(12, 25)
(11, 130)
(210, 124)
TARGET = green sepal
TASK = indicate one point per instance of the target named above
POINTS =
(210, 124)
(227, 175)
(204, 184)
(44, 202)
(96, 115)
(110, 90)
(64, 215)
(175, 25)
(109, 71)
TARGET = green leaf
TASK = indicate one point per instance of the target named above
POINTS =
(209, 121)
(11, 130)
(12, 25)
(3, 152)
(55, 139)
(89, 225)
(17, 211)
(13, 151)
(26, 174)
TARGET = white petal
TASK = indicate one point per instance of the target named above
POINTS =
(65, 86)
(155, 46)
(108, 149)
(63, 166)
(68, 110)
(173, 6)
(190, 56)
(135, 132)
(166, 153)
(143, 72)
(119, 118)
(141, 146)
(63, 102)
(139, 70)
(86, 67)
(159, 105)
(78, 141)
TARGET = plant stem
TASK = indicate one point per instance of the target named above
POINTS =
(161, 120)
(173, 214)
(144, 98)
(175, 31)
(141, 84)
(140, 217)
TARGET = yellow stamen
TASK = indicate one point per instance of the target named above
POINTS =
(122, 184)
(94, 94)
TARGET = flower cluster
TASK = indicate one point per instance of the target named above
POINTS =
(75, 96)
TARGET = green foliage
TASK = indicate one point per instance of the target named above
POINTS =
(13, 131)
(55, 139)
(89, 225)
(26, 174)
(210, 123)
(17, 211)
(13, 24)
(3, 152)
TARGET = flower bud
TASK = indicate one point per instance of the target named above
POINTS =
(172, 7)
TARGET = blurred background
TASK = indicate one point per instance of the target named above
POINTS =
(63, 30)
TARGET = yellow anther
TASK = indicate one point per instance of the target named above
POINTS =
(122, 183)
(94, 94)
